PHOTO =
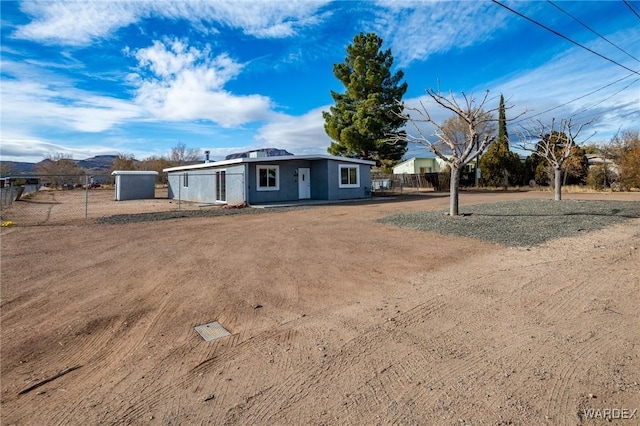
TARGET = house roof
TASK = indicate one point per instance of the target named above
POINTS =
(413, 159)
(133, 172)
(274, 159)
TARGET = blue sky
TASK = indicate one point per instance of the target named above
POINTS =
(139, 77)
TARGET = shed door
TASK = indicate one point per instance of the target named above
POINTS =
(221, 185)
(304, 183)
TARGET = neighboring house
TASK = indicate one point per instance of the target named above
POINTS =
(418, 165)
(598, 160)
(422, 165)
(263, 180)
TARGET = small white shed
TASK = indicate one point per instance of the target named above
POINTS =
(135, 185)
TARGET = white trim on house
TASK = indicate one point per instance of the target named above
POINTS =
(269, 160)
(349, 184)
(276, 186)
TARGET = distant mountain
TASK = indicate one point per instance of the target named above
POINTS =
(100, 164)
(19, 168)
(263, 152)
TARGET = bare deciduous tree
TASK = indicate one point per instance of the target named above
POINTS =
(554, 143)
(456, 129)
(456, 148)
(627, 149)
(124, 162)
(181, 155)
(60, 169)
(157, 164)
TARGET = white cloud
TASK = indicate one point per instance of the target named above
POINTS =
(24, 148)
(79, 23)
(60, 106)
(76, 22)
(565, 88)
(177, 82)
(417, 30)
(297, 134)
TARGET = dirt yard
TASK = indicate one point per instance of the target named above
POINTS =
(335, 319)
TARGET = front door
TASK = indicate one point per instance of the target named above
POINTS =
(304, 183)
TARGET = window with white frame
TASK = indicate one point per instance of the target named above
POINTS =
(349, 176)
(268, 178)
(185, 179)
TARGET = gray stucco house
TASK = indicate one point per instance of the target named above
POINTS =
(266, 180)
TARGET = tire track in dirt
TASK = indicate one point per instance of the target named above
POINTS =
(110, 348)
(161, 393)
(558, 398)
(68, 355)
(281, 393)
(97, 355)
(475, 364)
(366, 355)
(559, 309)
(151, 386)
(390, 385)
(153, 393)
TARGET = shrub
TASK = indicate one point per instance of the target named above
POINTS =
(444, 179)
(597, 180)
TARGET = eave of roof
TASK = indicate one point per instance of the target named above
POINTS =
(133, 172)
(268, 160)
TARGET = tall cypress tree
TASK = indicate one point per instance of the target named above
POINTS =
(366, 116)
(499, 165)
(503, 135)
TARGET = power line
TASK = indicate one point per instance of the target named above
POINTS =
(580, 97)
(631, 8)
(563, 36)
(608, 97)
(592, 30)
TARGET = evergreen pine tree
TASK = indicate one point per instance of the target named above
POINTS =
(365, 117)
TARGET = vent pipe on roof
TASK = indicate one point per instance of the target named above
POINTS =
(206, 156)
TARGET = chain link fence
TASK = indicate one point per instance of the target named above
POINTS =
(67, 199)
(390, 184)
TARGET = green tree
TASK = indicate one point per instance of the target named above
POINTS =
(601, 177)
(576, 168)
(367, 115)
(499, 165)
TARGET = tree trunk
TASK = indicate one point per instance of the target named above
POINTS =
(453, 191)
(558, 182)
(476, 178)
